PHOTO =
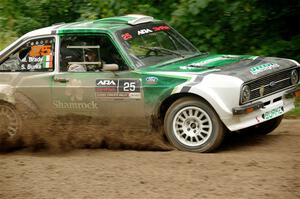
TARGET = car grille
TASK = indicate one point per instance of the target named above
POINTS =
(270, 84)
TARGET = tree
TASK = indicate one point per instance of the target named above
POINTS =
(223, 26)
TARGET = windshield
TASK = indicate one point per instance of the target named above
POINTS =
(155, 43)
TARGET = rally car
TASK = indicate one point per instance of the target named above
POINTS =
(141, 73)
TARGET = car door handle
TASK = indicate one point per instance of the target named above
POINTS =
(61, 80)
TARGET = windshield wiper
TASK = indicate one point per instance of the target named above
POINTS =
(163, 50)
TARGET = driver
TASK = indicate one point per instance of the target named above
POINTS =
(90, 56)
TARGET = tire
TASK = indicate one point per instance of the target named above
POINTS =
(265, 127)
(192, 125)
(10, 126)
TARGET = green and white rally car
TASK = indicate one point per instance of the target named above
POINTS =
(141, 73)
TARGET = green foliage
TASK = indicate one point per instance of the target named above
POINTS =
(295, 113)
(247, 27)
(7, 37)
(259, 27)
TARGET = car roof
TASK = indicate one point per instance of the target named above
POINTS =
(110, 24)
(104, 25)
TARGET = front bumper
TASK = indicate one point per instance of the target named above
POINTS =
(257, 105)
(250, 115)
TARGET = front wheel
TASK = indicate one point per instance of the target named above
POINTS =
(192, 125)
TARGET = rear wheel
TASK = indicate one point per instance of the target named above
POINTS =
(192, 125)
(10, 125)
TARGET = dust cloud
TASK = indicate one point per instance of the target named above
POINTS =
(59, 134)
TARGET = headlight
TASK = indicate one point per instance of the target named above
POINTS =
(294, 77)
(245, 94)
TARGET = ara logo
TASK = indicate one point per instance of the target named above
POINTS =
(144, 31)
(105, 82)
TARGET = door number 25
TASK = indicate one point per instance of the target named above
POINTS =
(129, 86)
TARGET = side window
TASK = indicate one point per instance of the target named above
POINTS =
(88, 53)
(34, 56)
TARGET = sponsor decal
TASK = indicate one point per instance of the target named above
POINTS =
(35, 63)
(273, 113)
(264, 67)
(118, 89)
(105, 82)
(35, 59)
(31, 67)
(38, 51)
(144, 31)
(74, 105)
(40, 55)
(39, 62)
(126, 36)
(159, 28)
(151, 80)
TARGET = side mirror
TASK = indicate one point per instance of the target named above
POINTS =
(110, 67)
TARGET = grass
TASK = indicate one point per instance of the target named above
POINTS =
(295, 113)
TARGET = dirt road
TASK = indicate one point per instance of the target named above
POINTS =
(246, 166)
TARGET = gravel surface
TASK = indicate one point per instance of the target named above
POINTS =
(246, 166)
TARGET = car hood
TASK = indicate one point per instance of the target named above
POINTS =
(245, 67)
